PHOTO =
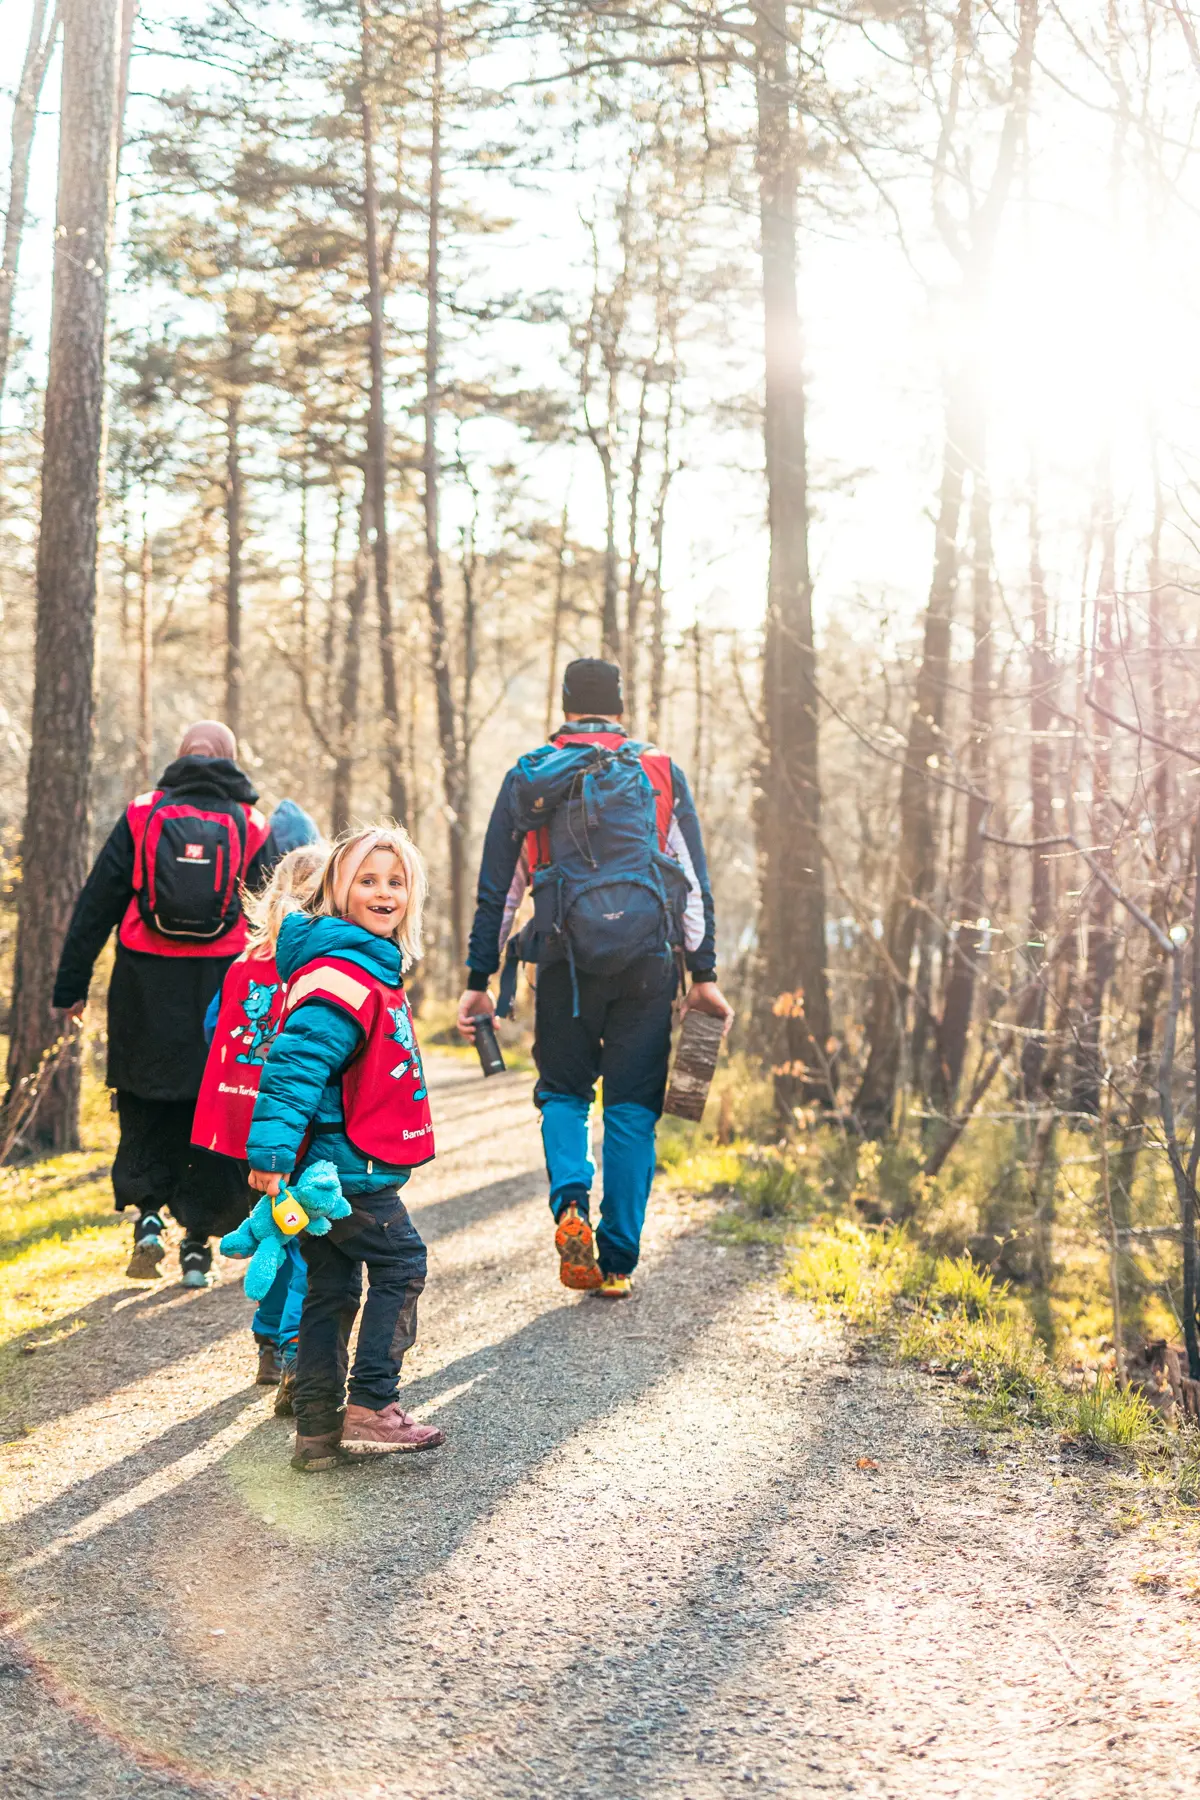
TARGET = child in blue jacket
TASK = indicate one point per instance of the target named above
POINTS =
(242, 1019)
(343, 1083)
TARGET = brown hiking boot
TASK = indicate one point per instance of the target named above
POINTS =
(577, 1266)
(315, 1453)
(285, 1393)
(268, 1363)
(367, 1433)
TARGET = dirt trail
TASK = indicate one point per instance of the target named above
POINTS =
(647, 1562)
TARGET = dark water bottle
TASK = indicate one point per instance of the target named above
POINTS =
(491, 1057)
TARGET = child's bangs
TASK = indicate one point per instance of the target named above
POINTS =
(394, 840)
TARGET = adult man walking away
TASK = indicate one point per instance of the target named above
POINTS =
(606, 833)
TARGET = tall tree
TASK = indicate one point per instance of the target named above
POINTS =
(377, 433)
(792, 908)
(24, 119)
(54, 848)
(969, 928)
(968, 220)
(450, 727)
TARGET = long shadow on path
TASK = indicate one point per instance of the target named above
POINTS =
(507, 1407)
(130, 1334)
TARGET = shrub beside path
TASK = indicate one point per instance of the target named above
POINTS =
(679, 1547)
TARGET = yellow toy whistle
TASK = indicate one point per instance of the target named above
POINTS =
(288, 1213)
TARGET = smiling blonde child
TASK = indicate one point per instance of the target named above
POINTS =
(343, 1083)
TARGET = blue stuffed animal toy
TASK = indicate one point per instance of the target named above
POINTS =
(260, 1237)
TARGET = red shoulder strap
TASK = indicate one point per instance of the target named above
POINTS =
(657, 765)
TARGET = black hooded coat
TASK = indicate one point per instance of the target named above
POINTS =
(156, 1004)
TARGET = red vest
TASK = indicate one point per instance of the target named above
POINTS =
(251, 1010)
(134, 932)
(384, 1098)
(658, 773)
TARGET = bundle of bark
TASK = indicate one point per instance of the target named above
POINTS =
(695, 1063)
(1159, 1371)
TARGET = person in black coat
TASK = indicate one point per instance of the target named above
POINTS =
(157, 998)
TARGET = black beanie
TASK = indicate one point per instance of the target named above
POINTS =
(591, 686)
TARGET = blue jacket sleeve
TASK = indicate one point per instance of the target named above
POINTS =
(211, 1015)
(701, 962)
(498, 865)
(314, 1046)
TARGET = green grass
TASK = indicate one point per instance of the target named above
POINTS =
(61, 1245)
(956, 1319)
(857, 1272)
(961, 1285)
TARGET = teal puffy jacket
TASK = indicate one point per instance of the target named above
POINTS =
(302, 1080)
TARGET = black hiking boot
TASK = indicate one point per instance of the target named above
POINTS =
(195, 1263)
(148, 1248)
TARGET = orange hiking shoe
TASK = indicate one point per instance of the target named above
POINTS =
(577, 1266)
(615, 1287)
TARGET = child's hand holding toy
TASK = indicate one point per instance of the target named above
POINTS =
(311, 1205)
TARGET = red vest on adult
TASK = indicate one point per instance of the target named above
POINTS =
(385, 1102)
(188, 862)
(657, 765)
(249, 1017)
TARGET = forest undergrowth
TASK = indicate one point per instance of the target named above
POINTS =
(1003, 1303)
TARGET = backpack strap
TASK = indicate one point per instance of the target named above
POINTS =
(657, 765)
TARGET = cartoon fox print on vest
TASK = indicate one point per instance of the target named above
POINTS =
(259, 1031)
(403, 1034)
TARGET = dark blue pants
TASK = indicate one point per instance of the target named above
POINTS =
(380, 1237)
(621, 1036)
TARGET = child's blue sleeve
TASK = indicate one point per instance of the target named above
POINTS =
(314, 1046)
(210, 1017)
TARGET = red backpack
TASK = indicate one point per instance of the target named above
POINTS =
(189, 862)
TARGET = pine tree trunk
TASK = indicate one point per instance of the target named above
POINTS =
(54, 850)
(454, 787)
(1087, 1074)
(968, 935)
(233, 571)
(340, 804)
(558, 608)
(145, 664)
(1042, 682)
(24, 121)
(658, 611)
(792, 899)
(916, 856)
(377, 442)
(610, 615)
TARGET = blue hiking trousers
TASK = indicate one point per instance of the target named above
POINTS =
(277, 1319)
(622, 1037)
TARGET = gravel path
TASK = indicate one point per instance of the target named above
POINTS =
(647, 1562)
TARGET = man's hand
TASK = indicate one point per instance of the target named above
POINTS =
(706, 997)
(474, 1005)
(263, 1183)
(74, 1012)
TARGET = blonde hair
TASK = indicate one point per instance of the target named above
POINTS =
(344, 861)
(292, 882)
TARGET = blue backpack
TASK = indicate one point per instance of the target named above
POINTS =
(604, 894)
